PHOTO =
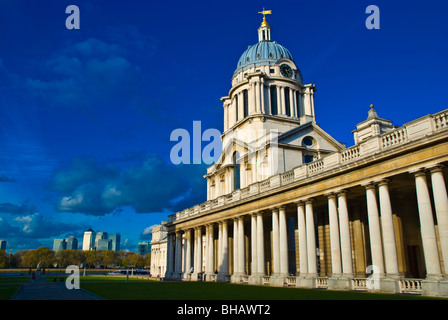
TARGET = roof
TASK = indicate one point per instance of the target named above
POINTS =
(261, 54)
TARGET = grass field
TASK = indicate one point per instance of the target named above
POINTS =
(117, 288)
(152, 290)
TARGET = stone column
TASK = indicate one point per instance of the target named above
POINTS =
(210, 251)
(187, 251)
(260, 244)
(220, 240)
(429, 240)
(170, 261)
(346, 245)
(336, 266)
(275, 243)
(387, 223)
(262, 93)
(253, 236)
(178, 268)
(198, 251)
(303, 255)
(252, 97)
(376, 245)
(310, 239)
(441, 206)
(235, 247)
(279, 100)
(225, 249)
(241, 253)
(292, 96)
(283, 241)
(257, 106)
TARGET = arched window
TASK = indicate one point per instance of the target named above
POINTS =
(246, 103)
(236, 171)
(274, 108)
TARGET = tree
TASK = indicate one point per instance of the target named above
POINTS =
(108, 258)
(32, 258)
(148, 259)
(4, 259)
(90, 258)
(65, 258)
(136, 260)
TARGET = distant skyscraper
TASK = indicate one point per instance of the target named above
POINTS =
(72, 243)
(59, 244)
(103, 244)
(143, 248)
(114, 242)
(3, 244)
(98, 236)
(88, 240)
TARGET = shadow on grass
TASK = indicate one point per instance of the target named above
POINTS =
(150, 290)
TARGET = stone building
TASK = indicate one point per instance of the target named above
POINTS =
(159, 250)
(288, 205)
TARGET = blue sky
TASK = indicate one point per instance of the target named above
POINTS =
(86, 115)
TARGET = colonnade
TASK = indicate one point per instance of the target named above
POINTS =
(232, 261)
(287, 100)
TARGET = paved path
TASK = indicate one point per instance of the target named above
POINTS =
(41, 289)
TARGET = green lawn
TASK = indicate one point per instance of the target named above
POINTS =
(14, 279)
(7, 291)
(152, 290)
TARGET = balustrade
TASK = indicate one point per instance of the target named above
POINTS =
(322, 282)
(441, 120)
(410, 285)
(394, 138)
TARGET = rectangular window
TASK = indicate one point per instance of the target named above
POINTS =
(274, 108)
(287, 104)
(236, 108)
(297, 96)
(246, 103)
(308, 158)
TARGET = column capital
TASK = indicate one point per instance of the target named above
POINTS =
(330, 195)
(309, 201)
(370, 184)
(436, 168)
(300, 202)
(418, 171)
(383, 182)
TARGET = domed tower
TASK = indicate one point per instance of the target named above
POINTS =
(267, 86)
(269, 120)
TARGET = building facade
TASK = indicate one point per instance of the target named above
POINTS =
(3, 244)
(115, 240)
(70, 243)
(288, 205)
(88, 241)
(143, 248)
(159, 250)
(100, 241)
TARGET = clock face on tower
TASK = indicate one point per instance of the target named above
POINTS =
(286, 71)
